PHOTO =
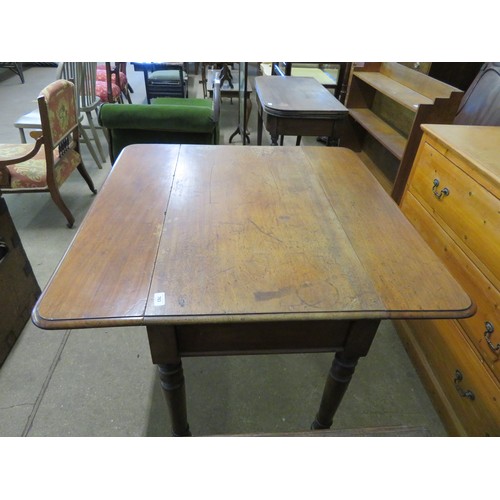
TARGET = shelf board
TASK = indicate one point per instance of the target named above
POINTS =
(380, 130)
(393, 89)
(381, 177)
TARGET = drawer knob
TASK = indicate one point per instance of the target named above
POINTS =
(444, 192)
(487, 335)
(464, 393)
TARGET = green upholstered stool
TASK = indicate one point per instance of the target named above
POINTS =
(180, 122)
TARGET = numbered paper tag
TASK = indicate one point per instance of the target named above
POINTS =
(159, 299)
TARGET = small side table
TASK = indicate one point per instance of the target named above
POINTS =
(299, 106)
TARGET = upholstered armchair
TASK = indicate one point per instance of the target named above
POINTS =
(43, 166)
(83, 76)
(167, 120)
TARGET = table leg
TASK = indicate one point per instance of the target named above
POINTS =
(259, 125)
(164, 354)
(174, 391)
(146, 85)
(336, 385)
(240, 132)
(358, 342)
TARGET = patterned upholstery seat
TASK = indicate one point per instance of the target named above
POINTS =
(118, 77)
(101, 90)
(45, 166)
(32, 174)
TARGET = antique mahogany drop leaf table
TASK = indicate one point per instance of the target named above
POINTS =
(235, 250)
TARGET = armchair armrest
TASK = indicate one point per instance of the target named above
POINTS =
(17, 154)
(10, 160)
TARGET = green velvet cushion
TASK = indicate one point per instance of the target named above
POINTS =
(172, 101)
(163, 124)
(175, 118)
(164, 75)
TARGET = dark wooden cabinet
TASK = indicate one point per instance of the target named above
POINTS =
(19, 289)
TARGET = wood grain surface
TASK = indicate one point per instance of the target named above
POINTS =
(183, 234)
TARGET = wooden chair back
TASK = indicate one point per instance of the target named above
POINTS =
(44, 167)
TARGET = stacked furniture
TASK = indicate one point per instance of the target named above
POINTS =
(453, 199)
(387, 103)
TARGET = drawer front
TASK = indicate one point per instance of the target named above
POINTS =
(470, 211)
(471, 392)
(484, 294)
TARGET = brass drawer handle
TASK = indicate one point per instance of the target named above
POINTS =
(464, 393)
(487, 334)
(444, 192)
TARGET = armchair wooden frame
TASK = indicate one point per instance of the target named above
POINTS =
(58, 148)
(82, 75)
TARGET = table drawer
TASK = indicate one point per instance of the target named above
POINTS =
(472, 394)
(469, 210)
(484, 294)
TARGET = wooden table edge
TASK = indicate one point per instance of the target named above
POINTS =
(79, 323)
(310, 317)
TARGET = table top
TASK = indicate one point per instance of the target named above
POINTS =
(294, 96)
(195, 233)
(327, 78)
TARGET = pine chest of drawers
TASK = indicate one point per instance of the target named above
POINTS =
(452, 198)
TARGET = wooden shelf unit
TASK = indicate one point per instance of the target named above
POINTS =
(387, 103)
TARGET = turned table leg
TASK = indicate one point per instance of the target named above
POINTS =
(174, 391)
(358, 342)
(164, 354)
(339, 376)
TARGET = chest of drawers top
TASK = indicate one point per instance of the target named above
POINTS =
(475, 149)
